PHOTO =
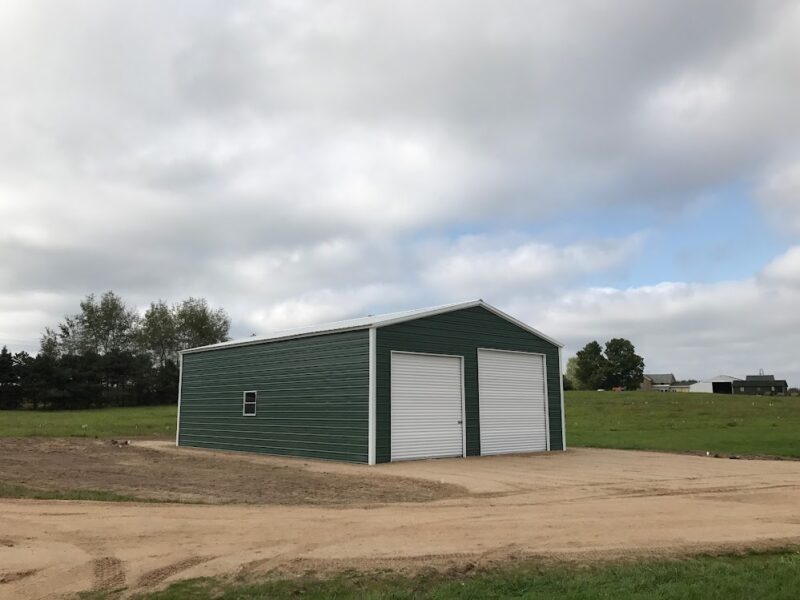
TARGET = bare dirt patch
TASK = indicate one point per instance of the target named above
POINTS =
(188, 475)
(582, 505)
(16, 576)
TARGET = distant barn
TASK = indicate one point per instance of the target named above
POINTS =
(652, 382)
(760, 385)
(752, 385)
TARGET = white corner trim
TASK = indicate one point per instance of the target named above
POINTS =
(180, 383)
(546, 402)
(463, 411)
(563, 418)
(372, 397)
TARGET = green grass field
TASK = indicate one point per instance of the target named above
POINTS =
(775, 576)
(747, 425)
(139, 421)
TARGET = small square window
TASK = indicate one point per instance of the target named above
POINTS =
(249, 404)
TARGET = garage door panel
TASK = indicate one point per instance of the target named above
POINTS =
(512, 401)
(426, 406)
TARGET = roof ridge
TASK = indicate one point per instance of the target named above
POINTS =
(367, 322)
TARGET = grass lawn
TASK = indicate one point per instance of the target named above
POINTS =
(773, 575)
(139, 421)
(748, 425)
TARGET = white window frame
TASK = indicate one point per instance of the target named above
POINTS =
(254, 403)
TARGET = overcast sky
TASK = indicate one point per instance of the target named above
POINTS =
(597, 169)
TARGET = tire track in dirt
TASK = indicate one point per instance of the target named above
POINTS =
(276, 562)
(16, 576)
(158, 576)
(109, 573)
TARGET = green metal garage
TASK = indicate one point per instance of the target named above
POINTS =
(458, 380)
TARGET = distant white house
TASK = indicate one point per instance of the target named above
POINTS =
(721, 384)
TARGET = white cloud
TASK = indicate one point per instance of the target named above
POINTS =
(785, 269)
(692, 330)
(325, 306)
(780, 196)
(510, 264)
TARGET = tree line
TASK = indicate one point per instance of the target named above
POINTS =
(107, 354)
(618, 367)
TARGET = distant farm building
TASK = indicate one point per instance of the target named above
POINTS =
(757, 385)
(721, 384)
(682, 388)
(752, 385)
(658, 382)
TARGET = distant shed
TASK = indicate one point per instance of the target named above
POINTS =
(758, 385)
(458, 380)
(721, 384)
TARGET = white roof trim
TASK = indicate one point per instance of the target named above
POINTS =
(367, 322)
(720, 379)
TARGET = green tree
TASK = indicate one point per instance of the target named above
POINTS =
(107, 355)
(9, 381)
(102, 326)
(106, 325)
(158, 333)
(625, 367)
(572, 374)
(591, 366)
(50, 343)
(198, 325)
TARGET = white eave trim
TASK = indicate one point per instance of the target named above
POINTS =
(256, 341)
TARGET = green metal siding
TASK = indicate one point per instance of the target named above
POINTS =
(461, 333)
(312, 397)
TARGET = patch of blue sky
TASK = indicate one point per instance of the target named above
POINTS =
(721, 236)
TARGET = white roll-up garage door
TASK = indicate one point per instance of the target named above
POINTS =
(426, 402)
(512, 398)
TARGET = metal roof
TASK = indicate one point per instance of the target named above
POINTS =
(761, 382)
(661, 378)
(367, 322)
(720, 379)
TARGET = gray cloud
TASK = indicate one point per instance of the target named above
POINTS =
(295, 162)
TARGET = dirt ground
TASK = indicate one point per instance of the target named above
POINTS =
(146, 471)
(579, 505)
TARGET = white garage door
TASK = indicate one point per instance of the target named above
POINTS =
(426, 406)
(512, 399)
